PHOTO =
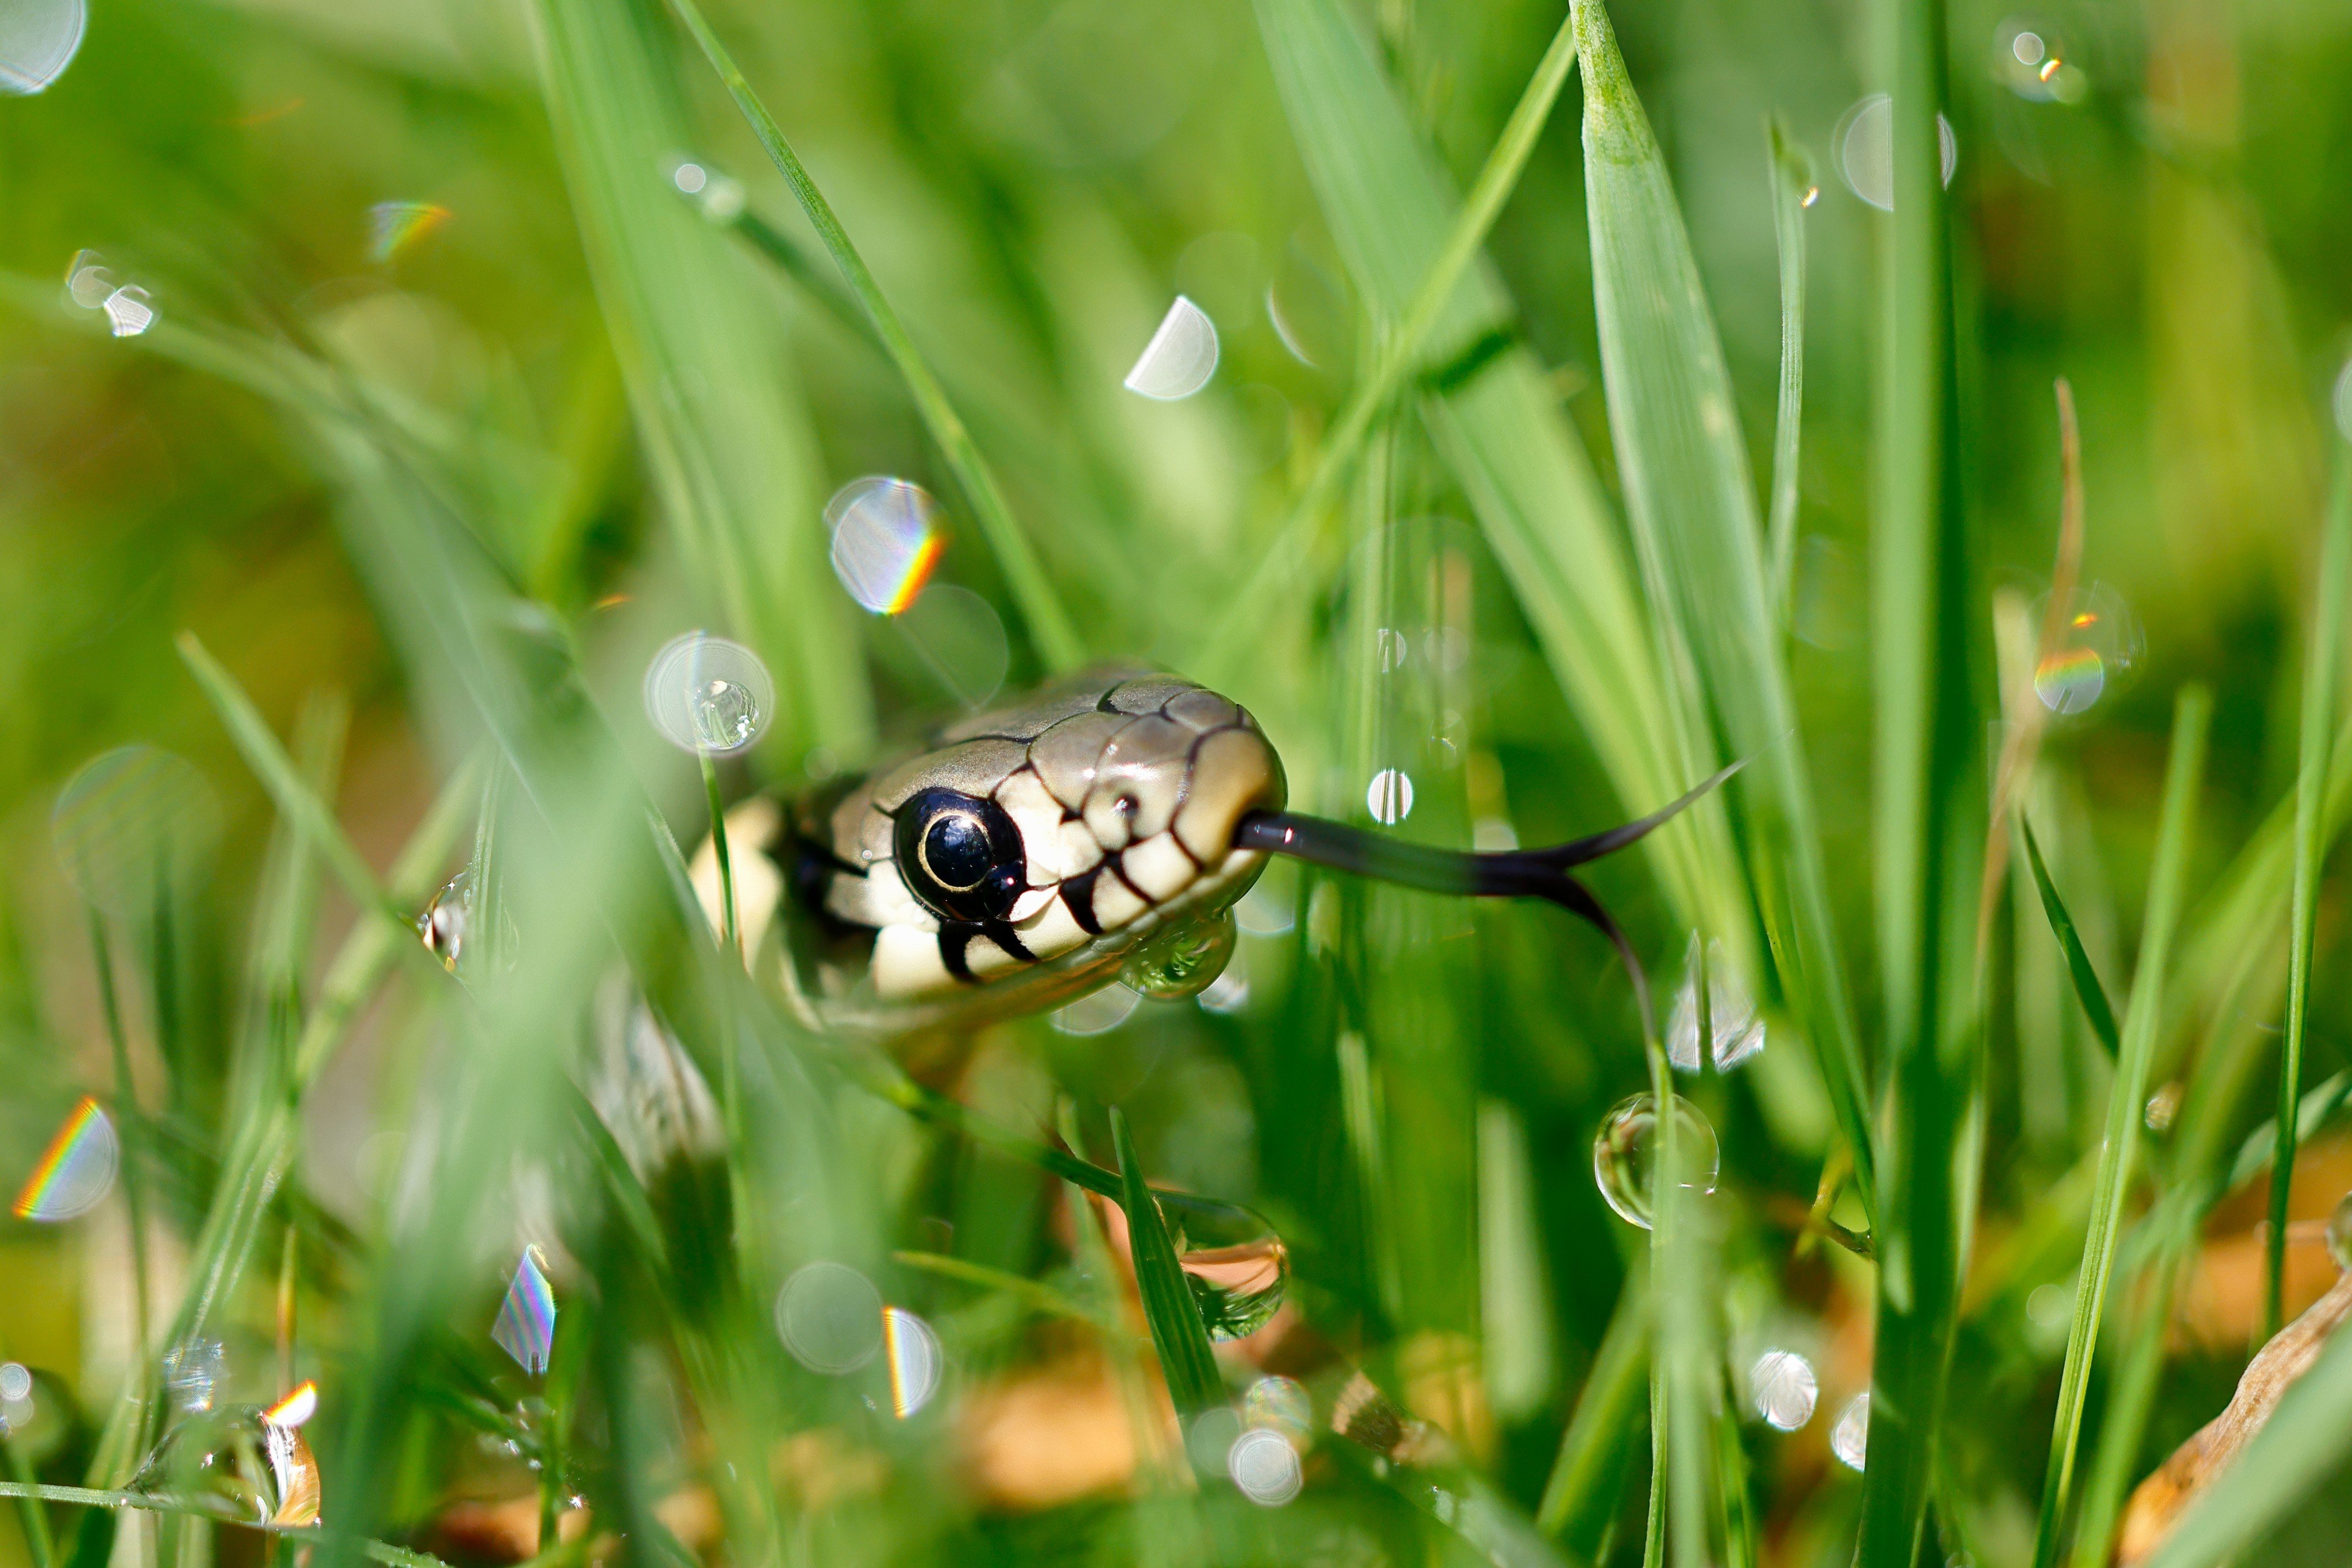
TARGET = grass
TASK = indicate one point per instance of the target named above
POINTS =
(1545, 442)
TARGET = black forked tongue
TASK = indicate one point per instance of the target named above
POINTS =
(1508, 874)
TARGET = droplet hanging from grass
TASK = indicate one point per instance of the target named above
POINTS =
(235, 1464)
(76, 1172)
(1625, 1151)
(1181, 357)
(886, 540)
(1184, 962)
(441, 926)
(708, 695)
(38, 38)
(1237, 1267)
(526, 1325)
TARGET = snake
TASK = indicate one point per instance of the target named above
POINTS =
(1020, 859)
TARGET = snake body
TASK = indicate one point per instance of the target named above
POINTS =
(1044, 840)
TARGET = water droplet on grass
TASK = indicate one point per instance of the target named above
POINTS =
(15, 1382)
(88, 283)
(2162, 1107)
(526, 1325)
(830, 1317)
(1783, 1385)
(706, 694)
(442, 927)
(1625, 1151)
(235, 1464)
(1865, 149)
(916, 1362)
(1181, 356)
(38, 41)
(76, 1172)
(1850, 1438)
(886, 540)
(1183, 962)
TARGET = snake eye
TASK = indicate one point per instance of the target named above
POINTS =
(959, 855)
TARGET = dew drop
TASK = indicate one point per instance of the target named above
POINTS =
(76, 1172)
(1850, 1438)
(830, 1317)
(886, 540)
(916, 1361)
(38, 41)
(442, 927)
(1183, 962)
(129, 311)
(1239, 1269)
(2339, 1233)
(2162, 1107)
(88, 283)
(708, 695)
(1737, 1028)
(2099, 647)
(15, 1382)
(234, 1464)
(1264, 1465)
(1783, 1388)
(1390, 797)
(1181, 356)
(1624, 1153)
(1865, 150)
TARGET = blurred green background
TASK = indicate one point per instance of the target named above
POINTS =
(648, 449)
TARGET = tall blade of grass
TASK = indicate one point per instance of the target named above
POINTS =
(1793, 191)
(1927, 802)
(1177, 1332)
(1504, 435)
(2183, 776)
(1050, 627)
(2087, 989)
(1693, 510)
(1580, 1497)
(733, 456)
(2300, 1447)
(2320, 663)
(1403, 339)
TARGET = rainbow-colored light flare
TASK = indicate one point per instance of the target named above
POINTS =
(526, 1325)
(394, 226)
(886, 540)
(76, 1172)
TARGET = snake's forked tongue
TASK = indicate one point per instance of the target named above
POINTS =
(1509, 874)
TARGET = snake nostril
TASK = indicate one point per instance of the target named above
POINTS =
(1126, 805)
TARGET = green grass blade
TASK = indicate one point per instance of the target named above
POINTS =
(1928, 803)
(1402, 340)
(2298, 1448)
(2319, 704)
(725, 431)
(1596, 1452)
(1692, 506)
(1050, 627)
(2183, 776)
(1177, 1332)
(1793, 191)
(282, 777)
(2087, 989)
(1504, 435)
